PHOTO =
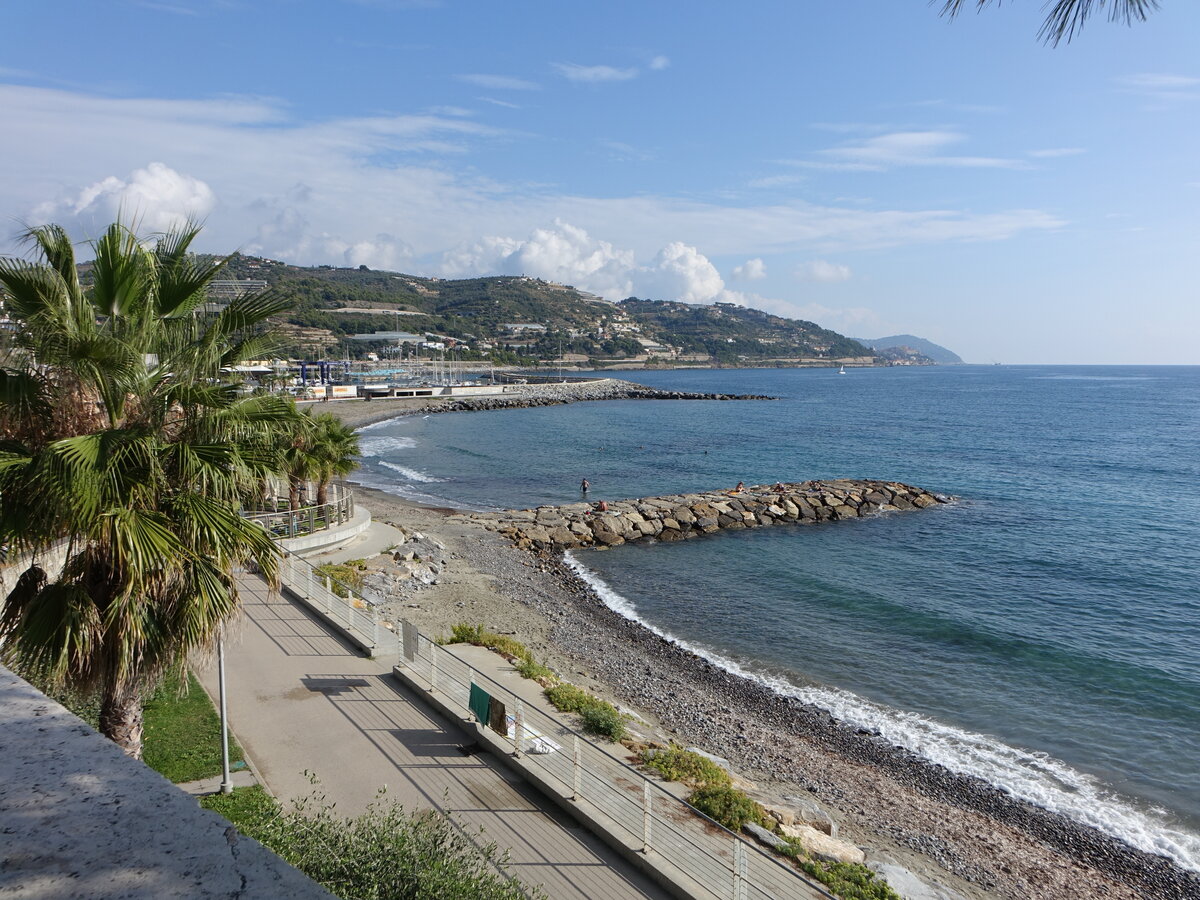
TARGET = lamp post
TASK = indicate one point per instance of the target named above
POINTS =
(226, 780)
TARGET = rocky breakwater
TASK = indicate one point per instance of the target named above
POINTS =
(683, 516)
(529, 395)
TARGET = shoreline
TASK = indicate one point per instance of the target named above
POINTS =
(959, 834)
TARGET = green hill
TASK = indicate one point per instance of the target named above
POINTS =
(551, 319)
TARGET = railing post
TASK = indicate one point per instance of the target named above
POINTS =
(350, 612)
(739, 870)
(433, 648)
(308, 573)
(647, 815)
(312, 519)
(578, 771)
(520, 721)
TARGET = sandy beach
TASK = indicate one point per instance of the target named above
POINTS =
(959, 836)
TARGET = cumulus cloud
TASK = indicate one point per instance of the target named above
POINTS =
(594, 74)
(820, 270)
(659, 63)
(750, 270)
(568, 254)
(156, 198)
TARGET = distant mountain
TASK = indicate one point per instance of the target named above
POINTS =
(921, 346)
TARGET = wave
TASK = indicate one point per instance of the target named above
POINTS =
(1035, 777)
(377, 446)
(412, 474)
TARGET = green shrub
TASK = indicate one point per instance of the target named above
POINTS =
(687, 766)
(569, 698)
(383, 854)
(603, 719)
(599, 716)
(530, 668)
(346, 576)
(849, 881)
(727, 805)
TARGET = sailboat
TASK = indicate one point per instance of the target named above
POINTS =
(842, 370)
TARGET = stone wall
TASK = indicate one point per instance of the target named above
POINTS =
(682, 516)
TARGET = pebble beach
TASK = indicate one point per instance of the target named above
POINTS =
(953, 836)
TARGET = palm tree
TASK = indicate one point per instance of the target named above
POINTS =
(124, 443)
(1066, 17)
(335, 446)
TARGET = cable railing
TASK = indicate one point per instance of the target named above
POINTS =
(728, 866)
(339, 603)
(289, 523)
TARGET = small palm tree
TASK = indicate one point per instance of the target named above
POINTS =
(335, 446)
(125, 445)
(1066, 17)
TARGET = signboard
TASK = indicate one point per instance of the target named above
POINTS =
(341, 391)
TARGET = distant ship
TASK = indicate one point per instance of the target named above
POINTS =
(842, 370)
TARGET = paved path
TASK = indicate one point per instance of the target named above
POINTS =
(301, 700)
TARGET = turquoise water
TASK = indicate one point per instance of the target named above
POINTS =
(1043, 633)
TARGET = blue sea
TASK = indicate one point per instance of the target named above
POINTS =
(1042, 633)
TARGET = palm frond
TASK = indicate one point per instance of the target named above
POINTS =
(1065, 18)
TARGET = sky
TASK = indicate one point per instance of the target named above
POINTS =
(867, 165)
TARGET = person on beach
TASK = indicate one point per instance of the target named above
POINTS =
(779, 488)
(601, 506)
(741, 486)
(583, 486)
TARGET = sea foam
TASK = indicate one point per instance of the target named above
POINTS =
(1035, 777)
(411, 474)
(377, 446)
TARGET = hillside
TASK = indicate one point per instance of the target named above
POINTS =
(917, 346)
(522, 319)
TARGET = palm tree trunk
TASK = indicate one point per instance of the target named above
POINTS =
(293, 493)
(121, 717)
(322, 492)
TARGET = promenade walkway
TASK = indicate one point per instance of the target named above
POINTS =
(301, 700)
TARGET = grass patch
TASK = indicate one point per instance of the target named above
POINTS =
(346, 577)
(677, 764)
(246, 807)
(729, 806)
(383, 854)
(183, 734)
(599, 716)
(511, 649)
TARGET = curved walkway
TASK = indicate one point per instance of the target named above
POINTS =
(300, 700)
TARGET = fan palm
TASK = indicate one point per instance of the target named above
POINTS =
(1066, 17)
(335, 446)
(125, 445)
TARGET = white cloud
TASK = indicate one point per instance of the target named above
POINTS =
(906, 148)
(500, 82)
(750, 270)
(680, 272)
(368, 176)
(156, 198)
(659, 63)
(568, 254)
(594, 74)
(823, 271)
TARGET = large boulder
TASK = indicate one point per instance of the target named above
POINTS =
(822, 846)
(764, 837)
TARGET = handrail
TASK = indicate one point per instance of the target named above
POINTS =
(290, 523)
(726, 863)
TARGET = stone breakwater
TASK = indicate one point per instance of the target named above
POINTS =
(682, 516)
(529, 395)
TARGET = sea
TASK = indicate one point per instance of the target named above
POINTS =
(1042, 632)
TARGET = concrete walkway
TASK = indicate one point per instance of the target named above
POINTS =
(301, 701)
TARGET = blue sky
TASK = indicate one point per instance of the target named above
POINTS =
(867, 165)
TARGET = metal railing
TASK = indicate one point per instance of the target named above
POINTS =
(290, 523)
(730, 867)
(339, 603)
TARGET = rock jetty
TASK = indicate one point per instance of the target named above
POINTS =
(529, 395)
(682, 516)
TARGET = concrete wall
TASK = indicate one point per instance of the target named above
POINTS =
(79, 819)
